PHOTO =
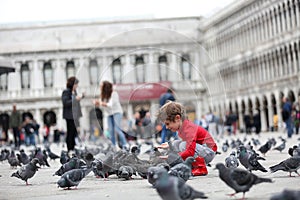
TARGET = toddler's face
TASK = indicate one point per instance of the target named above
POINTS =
(173, 125)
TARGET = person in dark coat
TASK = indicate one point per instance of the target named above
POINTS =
(257, 122)
(71, 111)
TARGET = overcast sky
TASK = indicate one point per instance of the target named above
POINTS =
(18, 11)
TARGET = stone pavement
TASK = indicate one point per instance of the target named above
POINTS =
(44, 184)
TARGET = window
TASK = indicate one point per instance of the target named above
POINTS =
(48, 74)
(93, 72)
(117, 71)
(140, 69)
(185, 67)
(163, 65)
(25, 76)
(3, 81)
(70, 69)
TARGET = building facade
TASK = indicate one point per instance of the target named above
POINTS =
(255, 48)
(243, 58)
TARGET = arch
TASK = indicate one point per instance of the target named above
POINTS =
(257, 104)
(291, 96)
(273, 104)
(4, 123)
(281, 95)
(27, 114)
(243, 107)
(266, 110)
(230, 107)
(48, 74)
(250, 107)
(49, 118)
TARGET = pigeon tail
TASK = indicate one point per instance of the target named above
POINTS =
(199, 195)
(263, 180)
(277, 167)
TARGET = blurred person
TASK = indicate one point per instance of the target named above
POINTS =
(257, 122)
(15, 124)
(147, 126)
(71, 111)
(29, 129)
(164, 98)
(287, 115)
(110, 102)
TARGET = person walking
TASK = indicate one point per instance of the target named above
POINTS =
(15, 124)
(287, 115)
(71, 111)
(110, 102)
(166, 134)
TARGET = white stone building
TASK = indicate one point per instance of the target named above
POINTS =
(245, 57)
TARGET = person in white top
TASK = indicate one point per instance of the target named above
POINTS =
(109, 101)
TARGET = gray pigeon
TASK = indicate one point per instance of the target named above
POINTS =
(152, 172)
(231, 161)
(22, 157)
(126, 172)
(183, 170)
(27, 171)
(280, 147)
(13, 160)
(72, 178)
(173, 188)
(238, 179)
(287, 195)
(249, 159)
(290, 165)
(73, 163)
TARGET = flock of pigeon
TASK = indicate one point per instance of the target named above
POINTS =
(168, 176)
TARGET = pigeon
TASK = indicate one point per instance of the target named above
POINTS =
(103, 168)
(41, 156)
(22, 157)
(27, 171)
(183, 170)
(13, 160)
(4, 155)
(231, 161)
(126, 172)
(266, 147)
(280, 147)
(291, 150)
(72, 178)
(287, 195)
(152, 174)
(172, 188)
(239, 179)
(74, 163)
(249, 159)
(290, 165)
(225, 146)
(64, 157)
(52, 155)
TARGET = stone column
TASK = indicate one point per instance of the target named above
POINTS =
(106, 71)
(173, 67)
(37, 78)
(14, 81)
(38, 117)
(297, 19)
(263, 117)
(152, 72)
(128, 62)
(59, 74)
(82, 73)
(294, 61)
